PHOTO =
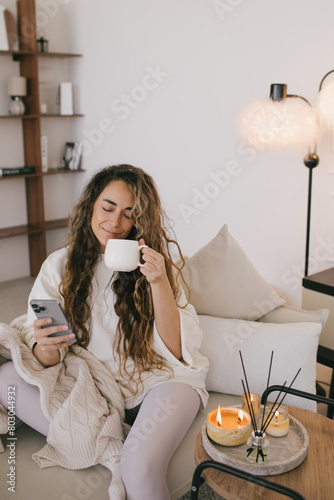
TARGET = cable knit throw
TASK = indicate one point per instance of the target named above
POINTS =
(80, 399)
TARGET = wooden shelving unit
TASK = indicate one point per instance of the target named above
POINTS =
(27, 57)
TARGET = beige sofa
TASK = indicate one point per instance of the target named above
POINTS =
(56, 483)
(238, 311)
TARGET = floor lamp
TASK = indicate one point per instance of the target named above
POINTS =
(287, 120)
(278, 91)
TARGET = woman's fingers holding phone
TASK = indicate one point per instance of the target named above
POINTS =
(42, 334)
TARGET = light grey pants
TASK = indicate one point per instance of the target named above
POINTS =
(163, 418)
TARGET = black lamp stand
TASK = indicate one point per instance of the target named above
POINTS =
(278, 92)
(310, 161)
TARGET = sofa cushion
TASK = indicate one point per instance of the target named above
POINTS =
(294, 345)
(224, 283)
(288, 314)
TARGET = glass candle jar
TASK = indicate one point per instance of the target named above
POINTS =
(279, 423)
(255, 402)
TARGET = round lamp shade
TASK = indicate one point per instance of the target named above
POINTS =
(325, 106)
(17, 86)
(282, 124)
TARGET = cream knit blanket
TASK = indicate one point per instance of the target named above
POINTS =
(80, 399)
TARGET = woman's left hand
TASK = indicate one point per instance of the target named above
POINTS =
(154, 269)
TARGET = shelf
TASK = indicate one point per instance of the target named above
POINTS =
(16, 53)
(9, 232)
(57, 54)
(24, 117)
(60, 116)
(18, 176)
(55, 171)
(28, 117)
(55, 224)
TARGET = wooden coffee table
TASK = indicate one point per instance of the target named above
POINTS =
(313, 479)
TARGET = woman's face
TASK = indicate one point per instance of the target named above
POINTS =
(111, 217)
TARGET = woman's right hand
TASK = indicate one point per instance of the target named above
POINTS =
(46, 348)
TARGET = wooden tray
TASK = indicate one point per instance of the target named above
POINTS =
(285, 453)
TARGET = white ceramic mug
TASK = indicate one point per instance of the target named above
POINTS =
(123, 255)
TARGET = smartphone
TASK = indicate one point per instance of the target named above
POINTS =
(50, 308)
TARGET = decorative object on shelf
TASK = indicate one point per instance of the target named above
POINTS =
(42, 44)
(288, 120)
(44, 153)
(4, 45)
(4, 172)
(279, 425)
(43, 108)
(255, 402)
(228, 426)
(17, 88)
(8, 32)
(77, 156)
(66, 98)
(72, 156)
(68, 155)
(257, 445)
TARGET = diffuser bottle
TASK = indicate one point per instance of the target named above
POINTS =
(257, 448)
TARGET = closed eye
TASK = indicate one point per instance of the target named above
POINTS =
(112, 210)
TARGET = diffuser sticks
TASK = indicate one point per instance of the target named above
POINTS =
(257, 444)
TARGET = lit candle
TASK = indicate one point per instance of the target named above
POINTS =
(228, 426)
(279, 425)
(255, 402)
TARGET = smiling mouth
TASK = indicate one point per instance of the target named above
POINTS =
(110, 233)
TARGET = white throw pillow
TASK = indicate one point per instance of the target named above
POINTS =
(224, 283)
(294, 345)
(288, 314)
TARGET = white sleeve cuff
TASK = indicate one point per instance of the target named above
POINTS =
(191, 338)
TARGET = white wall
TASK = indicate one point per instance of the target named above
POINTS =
(214, 57)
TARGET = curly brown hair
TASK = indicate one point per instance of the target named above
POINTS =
(133, 304)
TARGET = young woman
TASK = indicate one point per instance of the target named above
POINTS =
(138, 324)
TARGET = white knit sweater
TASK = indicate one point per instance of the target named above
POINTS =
(102, 327)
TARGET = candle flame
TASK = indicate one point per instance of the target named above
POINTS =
(251, 398)
(240, 417)
(219, 417)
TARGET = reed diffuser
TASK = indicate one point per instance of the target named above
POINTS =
(257, 444)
